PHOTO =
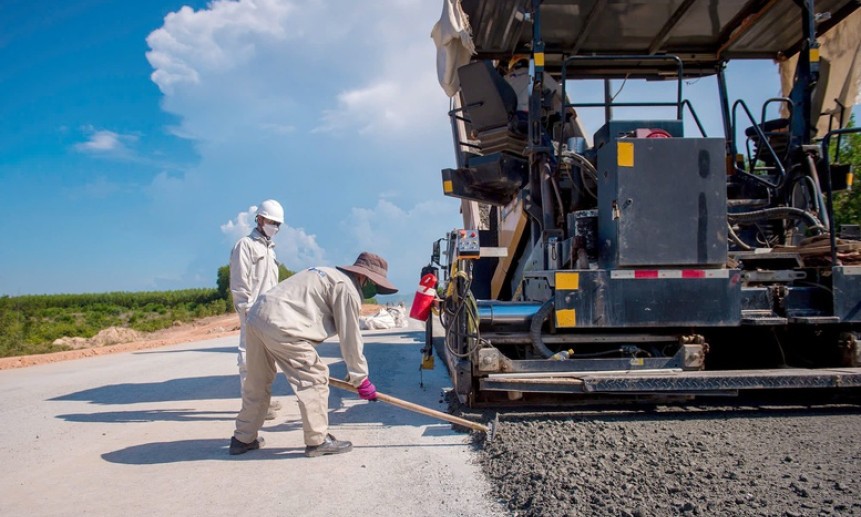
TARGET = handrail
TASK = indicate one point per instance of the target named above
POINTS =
(672, 58)
(829, 200)
(785, 100)
(687, 102)
(756, 127)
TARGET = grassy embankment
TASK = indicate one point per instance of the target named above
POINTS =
(29, 324)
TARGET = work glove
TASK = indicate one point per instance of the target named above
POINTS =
(367, 391)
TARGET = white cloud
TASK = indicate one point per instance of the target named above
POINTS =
(270, 64)
(403, 236)
(237, 228)
(401, 99)
(297, 249)
(105, 142)
(294, 248)
(219, 37)
(322, 106)
(401, 107)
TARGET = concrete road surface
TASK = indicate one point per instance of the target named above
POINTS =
(146, 433)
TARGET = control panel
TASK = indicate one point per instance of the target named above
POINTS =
(467, 245)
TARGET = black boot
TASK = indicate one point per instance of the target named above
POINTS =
(329, 446)
(237, 447)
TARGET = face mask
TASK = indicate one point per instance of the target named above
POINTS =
(270, 230)
(369, 289)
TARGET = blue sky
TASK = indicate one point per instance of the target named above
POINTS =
(136, 136)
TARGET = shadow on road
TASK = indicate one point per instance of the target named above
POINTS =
(189, 388)
(151, 415)
(221, 350)
(194, 450)
(200, 450)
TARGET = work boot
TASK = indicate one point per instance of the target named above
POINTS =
(237, 447)
(329, 446)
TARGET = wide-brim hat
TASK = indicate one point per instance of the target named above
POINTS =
(374, 267)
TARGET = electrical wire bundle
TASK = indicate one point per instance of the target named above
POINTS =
(459, 313)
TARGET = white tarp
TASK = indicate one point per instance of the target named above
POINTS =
(454, 47)
(385, 318)
(841, 47)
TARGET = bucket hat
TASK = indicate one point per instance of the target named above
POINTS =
(374, 267)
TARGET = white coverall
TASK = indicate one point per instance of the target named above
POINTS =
(284, 327)
(253, 271)
(520, 82)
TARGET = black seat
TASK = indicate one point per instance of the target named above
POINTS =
(489, 104)
(776, 133)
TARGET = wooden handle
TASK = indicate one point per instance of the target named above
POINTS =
(409, 406)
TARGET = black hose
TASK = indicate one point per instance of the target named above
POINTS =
(817, 191)
(783, 212)
(535, 329)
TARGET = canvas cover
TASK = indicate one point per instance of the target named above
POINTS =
(454, 47)
(841, 48)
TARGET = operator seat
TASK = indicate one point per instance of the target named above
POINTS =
(490, 103)
(776, 132)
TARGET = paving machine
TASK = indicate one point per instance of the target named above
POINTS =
(646, 259)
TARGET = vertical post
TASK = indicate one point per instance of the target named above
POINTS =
(806, 77)
(536, 98)
(608, 99)
(728, 129)
(829, 189)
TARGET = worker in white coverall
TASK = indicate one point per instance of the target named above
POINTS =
(253, 271)
(521, 82)
(285, 326)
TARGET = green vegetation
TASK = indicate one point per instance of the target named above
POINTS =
(29, 324)
(223, 281)
(847, 204)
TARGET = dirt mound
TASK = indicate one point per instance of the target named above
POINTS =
(117, 339)
(108, 336)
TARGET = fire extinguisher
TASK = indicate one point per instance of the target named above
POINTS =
(424, 298)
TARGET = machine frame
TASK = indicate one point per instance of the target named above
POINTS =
(547, 291)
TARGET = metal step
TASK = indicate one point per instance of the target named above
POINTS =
(761, 318)
(675, 382)
(814, 320)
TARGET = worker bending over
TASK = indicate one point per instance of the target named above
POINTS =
(284, 327)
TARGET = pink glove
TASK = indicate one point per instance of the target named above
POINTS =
(367, 391)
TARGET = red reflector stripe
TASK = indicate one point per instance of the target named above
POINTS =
(646, 273)
(629, 274)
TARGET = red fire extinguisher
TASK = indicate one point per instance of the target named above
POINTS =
(424, 298)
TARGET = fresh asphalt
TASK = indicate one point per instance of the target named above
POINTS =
(147, 433)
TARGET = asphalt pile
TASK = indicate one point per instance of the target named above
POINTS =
(744, 461)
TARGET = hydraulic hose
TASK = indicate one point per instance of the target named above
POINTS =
(814, 180)
(783, 212)
(737, 240)
(535, 329)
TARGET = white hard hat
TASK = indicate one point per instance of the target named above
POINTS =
(271, 209)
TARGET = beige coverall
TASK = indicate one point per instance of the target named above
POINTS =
(253, 271)
(284, 327)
